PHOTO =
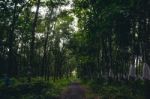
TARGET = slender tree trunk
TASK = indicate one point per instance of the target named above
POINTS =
(45, 57)
(44, 54)
(11, 69)
(32, 43)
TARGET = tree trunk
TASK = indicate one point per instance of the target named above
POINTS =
(32, 43)
(12, 69)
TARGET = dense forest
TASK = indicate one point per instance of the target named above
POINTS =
(102, 43)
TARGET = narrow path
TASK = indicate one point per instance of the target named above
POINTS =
(80, 90)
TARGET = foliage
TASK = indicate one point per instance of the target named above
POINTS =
(38, 89)
(117, 90)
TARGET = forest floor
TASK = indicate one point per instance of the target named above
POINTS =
(39, 89)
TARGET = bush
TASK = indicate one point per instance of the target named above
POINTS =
(118, 90)
(34, 90)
